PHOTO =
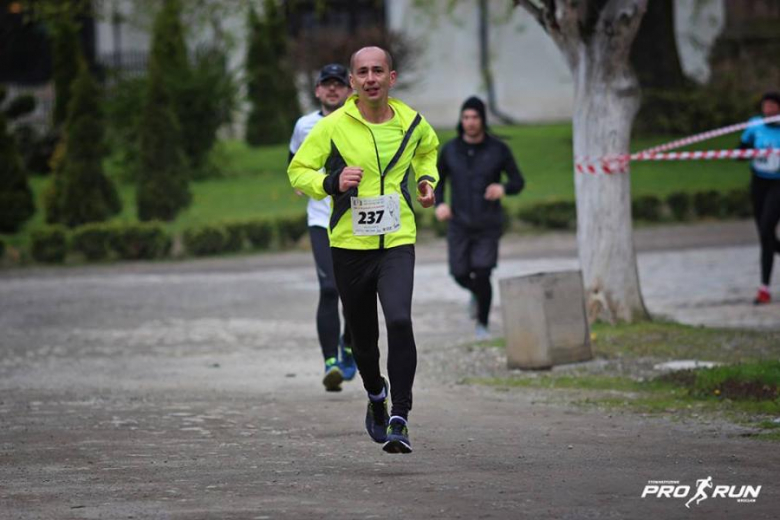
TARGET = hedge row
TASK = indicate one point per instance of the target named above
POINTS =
(150, 240)
(100, 241)
(136, 241)
(648, 208)
(232, 236)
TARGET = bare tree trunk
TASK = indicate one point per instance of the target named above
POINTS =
(606, 101)
(595, 38)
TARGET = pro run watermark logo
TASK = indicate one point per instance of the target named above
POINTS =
(703, 490)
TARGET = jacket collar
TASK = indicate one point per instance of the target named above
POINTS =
(404, 112)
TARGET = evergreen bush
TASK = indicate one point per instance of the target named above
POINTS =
(291, 229)
(708, 204)
(92, 240)
(259, 233)
(737, 203)
(551, 215)
(271, 89)
(139, 241)
(81, 192)
(66, 58)
(163, 187)
(16, 197)
(235, 235)
(205, 240)
(49, 244)
(647, 207)
(680, 205)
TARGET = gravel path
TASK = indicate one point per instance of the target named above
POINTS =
(191, 390)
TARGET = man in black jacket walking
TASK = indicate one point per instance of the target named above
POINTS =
(473, 164)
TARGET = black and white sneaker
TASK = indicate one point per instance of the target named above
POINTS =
(397, 437)
(377, 417)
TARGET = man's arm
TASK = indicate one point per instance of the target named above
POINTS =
(424, 160)
(515, 181)
(304, 169)
(444, 172)
(424, 165)
(747, 139)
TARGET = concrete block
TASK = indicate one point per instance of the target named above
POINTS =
(544, 320)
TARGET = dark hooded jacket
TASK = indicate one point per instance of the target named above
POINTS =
(470, 168)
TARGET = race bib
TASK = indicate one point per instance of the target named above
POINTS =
(376, 215)
(769, 164)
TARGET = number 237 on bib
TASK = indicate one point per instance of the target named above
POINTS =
(376, 215)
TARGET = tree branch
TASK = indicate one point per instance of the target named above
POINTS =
(620, 20)
(535, 11)
(561, 20)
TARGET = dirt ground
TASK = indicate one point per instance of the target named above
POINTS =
(189, 390)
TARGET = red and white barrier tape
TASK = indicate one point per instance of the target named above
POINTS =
(619, 163)
(707, 155)
(710, 134)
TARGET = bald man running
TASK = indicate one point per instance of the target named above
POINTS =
(368, 149)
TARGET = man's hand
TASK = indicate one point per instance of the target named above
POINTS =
(494, 191)
(443, 212)
(350, 178)
(299, 193)
(426, 198)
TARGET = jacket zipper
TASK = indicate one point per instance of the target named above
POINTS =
(379, 168)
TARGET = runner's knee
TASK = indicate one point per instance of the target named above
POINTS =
(463, 280)
(399, 325)
(482, 273)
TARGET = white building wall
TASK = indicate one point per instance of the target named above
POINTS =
(532, 80)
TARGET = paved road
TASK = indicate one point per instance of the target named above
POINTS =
(191, 390)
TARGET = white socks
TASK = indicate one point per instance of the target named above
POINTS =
(379, 397)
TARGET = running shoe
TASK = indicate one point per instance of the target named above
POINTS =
(397, 437)
(481, 332)
(376, 416)
(762, 297)
(333, 375)
(347, 363)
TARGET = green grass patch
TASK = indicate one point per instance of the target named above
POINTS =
(254, 180)
(582, 382)
(758, 381)
(746, 393)
(745, 390)
(665, 340)
(544, 155)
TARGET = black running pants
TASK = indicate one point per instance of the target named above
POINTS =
(361, 276)
(766, 211)
(328, 323)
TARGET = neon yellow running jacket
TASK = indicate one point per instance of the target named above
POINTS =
(343, 139)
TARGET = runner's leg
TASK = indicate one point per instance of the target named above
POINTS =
(483, 290)
(395, 284)
(767, 225)
(458, 256)
(328, 307)
(356, 274)
(483, 258)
